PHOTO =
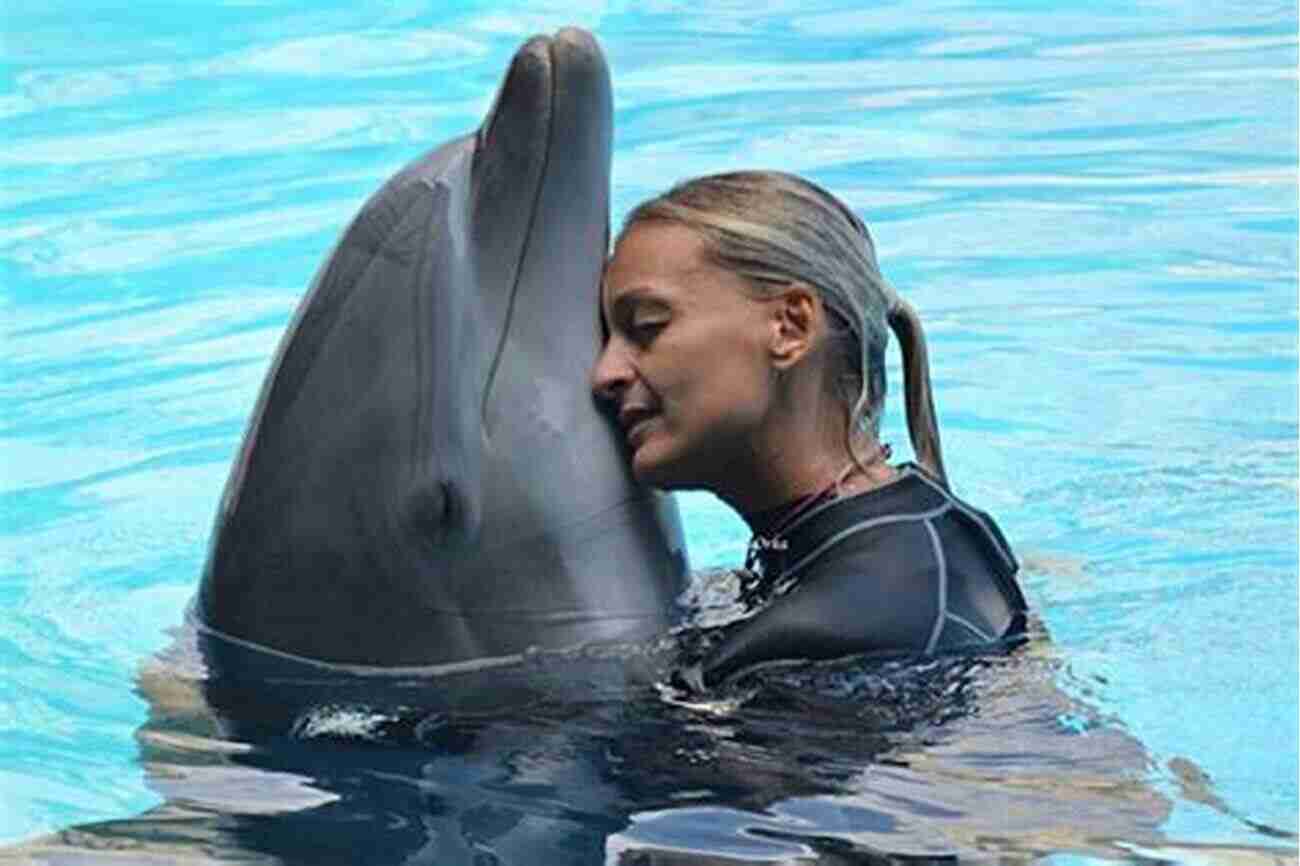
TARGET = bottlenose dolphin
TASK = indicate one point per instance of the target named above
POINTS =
(425, 478)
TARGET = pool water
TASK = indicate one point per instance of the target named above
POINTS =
(1094, 208)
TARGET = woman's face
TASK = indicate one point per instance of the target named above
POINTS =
(686, 365)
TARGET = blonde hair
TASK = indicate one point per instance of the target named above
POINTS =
(775, 229)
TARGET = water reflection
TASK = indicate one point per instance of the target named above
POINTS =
(594, 756)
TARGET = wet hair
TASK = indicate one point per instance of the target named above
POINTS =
(775, 229)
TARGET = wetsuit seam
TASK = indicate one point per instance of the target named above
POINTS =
(943, 587)
(1007, 560)
(979, 633)
(865, 525)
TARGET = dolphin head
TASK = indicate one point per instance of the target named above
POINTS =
(425, 478)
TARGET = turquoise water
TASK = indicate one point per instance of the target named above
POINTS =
(1094, 207)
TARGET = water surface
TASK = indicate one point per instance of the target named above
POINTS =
(1092, 205)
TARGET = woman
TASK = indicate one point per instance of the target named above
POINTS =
(745, 330)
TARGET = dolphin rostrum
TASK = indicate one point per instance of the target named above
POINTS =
(425, 478)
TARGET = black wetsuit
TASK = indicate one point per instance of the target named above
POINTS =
(906, 568)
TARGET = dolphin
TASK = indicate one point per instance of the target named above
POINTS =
(426, 478)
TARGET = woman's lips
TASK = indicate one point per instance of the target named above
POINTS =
(636, 423)
(638, 432)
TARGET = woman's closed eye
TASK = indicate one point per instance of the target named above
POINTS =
(639, 316)
(645, 328)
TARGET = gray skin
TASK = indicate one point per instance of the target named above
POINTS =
(426, 477)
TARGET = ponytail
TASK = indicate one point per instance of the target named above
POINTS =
(922, 425)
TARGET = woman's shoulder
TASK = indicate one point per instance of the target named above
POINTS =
(916, 537)
(877, 521)
(903, 568)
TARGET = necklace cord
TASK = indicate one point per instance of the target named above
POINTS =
(772, 541)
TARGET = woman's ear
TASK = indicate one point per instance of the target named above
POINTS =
(796, 319)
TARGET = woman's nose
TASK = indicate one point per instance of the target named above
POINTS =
(611, 374)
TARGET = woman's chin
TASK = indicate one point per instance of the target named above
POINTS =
(644, 472)
(666, 471)
(651, 469)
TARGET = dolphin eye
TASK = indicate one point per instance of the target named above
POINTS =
(438, 511)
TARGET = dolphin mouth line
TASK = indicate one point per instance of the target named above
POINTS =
(474, 665)
(552, 67)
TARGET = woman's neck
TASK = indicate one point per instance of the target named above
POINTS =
(775, 480)
(799, 450)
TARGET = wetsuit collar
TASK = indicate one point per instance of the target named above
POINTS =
(915, 493)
